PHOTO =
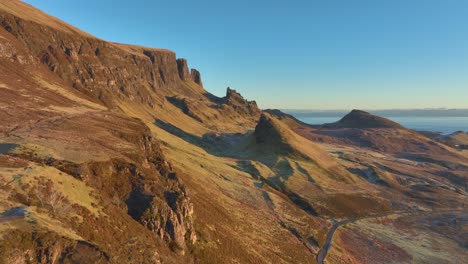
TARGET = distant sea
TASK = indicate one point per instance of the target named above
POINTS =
(436, 123)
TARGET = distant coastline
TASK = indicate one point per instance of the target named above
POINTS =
(383, 112)
(444, 121)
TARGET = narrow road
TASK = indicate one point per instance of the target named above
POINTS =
(322, 254)
(324, 250)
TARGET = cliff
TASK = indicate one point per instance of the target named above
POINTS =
(108, 72)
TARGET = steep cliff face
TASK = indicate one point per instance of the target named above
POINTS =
(105, 71)
(59, 79)
(115, 74)
(144, 185)
(171, 217)
(184, 73)
(196, 77)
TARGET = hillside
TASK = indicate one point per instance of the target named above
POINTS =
(115, 153)
(362, 119)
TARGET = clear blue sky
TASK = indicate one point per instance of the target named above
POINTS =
(300, 54)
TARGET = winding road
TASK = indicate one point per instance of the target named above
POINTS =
(322, 254)
(324, 250)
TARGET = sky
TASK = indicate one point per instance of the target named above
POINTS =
(300, 54)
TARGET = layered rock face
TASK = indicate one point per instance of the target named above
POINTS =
(172, 217)
(115, 74)
(146, 187)
(196, 77)
(102, 70)
(134, 178)
(184, 73)
(241, 105)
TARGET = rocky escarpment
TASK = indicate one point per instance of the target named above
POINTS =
(126, 77)
(232, 108)
(239, 104)
(105, 71)
(196, 77)
(362, 119)
(171, 216)
(186, 75)
(47, 247)
(144, 185)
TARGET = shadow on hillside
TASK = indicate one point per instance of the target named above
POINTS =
(5, 148)
(311, 241)
(215, 144)
(219, 145)
(282, 171)
(305, 173)
(213, 98)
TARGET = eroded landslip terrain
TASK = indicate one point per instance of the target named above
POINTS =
(113, 153)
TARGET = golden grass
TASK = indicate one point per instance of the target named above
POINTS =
(38, 221)
(58, 150)
(423, 246)
(69, 94)
(29, 13)
(138, 50)
(74, 190)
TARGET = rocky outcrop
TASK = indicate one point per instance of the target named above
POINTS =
(186, 75)
(240, 105)
(142, 184)
(182, 66)
(362, 119)
(171, 217)
(47, 247)
(105, 71)
(196, 77)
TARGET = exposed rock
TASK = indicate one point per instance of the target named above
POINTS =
(172, 217)
(183, 69)
(241, 105)
(90, 64)
(47, 247)
(196, 77)
(144, 185)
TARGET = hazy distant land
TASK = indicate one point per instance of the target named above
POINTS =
(383, 112)
(445, 121)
